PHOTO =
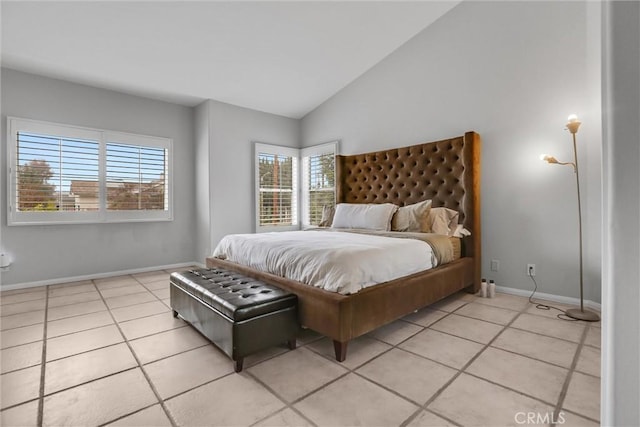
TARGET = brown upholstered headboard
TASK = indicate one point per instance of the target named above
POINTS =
(447, 172)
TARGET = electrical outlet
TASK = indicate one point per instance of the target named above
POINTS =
(531, 269)
(495, 265)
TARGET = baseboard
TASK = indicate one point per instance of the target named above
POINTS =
(506, 290)
(549, 297)
(97, 276)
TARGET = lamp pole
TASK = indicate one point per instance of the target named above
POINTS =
(575, 156)
(579, 314)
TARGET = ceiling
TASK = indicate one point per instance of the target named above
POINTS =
(284, 58)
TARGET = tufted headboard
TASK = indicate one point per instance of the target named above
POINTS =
(447, 172)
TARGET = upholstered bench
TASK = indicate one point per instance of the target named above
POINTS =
(239, 314)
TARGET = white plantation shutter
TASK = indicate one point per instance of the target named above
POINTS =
(56, 173)
(68, 174)
(318, 181)
(276, 173)
(136, 177)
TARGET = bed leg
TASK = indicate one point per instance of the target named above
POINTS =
(473, 289)
(175, 313)
(340, 349)
(292, 344)
(237, 364)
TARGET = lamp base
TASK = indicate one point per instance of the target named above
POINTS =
(586, 315)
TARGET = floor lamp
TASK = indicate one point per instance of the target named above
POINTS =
(575, 313)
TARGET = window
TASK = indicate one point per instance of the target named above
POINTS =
(68, 174)
(318, 181)
(277, 189)
(276, 174)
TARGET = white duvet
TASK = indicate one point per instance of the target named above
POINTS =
(335, 261)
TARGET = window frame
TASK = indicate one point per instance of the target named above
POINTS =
(102, 137)
(316, 150)
(294, 153)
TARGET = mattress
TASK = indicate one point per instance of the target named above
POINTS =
(338, 260)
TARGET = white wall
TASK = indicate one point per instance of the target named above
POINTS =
(58, 251)
(232, 131)
(203, 181)
(511, 71)
(621, 270)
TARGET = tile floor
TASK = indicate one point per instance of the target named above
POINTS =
(109, 351)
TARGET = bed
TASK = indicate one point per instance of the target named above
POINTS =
(448, 173)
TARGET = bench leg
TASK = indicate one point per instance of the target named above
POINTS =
(175, 313)
(292, 344)
(340, 349)
(237, 365)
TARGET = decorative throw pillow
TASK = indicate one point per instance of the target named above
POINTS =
(327, 216)
(360, 215)
(442, 221)
(412, 217)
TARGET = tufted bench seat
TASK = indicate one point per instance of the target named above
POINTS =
(239, 314)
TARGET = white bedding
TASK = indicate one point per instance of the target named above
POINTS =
(335, 261)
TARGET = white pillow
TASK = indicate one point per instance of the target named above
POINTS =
(371, 216)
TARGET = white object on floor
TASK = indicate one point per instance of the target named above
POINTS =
(483, 288)
(492, 289)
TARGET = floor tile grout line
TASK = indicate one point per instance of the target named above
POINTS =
(144, 372)
(173, 354)
(152, 292)
(315, 390)
(431, 411)
(309, 393)
(85, 351)
(433, 360)
(466, 365)
(568, 378)
(112, 374)
(520, 392)
(173, 396)
(15, 405)
(493, 322)
(24, 368)
(352, 370)
(21, 344)
(81, 314)
(331, 357)
(8, 304)
(129, 414)
(507, 325)
(544, 335)
(387, 388)
(81, 330)
(580, 415)
(27, 290)
(531, 357)
(43, 361)
(155, 333)
(3, 315)
(437, 362)
(73, 303)
(145, 291)
(281, 398)
(422, 407)
(271, 414)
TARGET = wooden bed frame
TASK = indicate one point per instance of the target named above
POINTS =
(448, 173)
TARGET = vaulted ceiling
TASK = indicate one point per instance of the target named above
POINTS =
(284, 58)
